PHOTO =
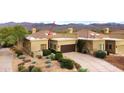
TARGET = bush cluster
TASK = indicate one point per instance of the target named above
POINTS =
(67, 63)
(52, 56)
(46, 52)
(52, 50)
(77, 66)
(35, 69)
(58, 56)
(82, 70)
(21, 68)
(32, 68)
(18, 52)
(100, 54)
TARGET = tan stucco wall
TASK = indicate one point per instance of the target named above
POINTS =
(89, 45)
(96, 44)
(120, 47)
(63, 42)
(36, 45)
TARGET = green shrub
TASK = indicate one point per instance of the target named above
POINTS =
(83, 70)
(48, 61)
(21, 68)
(19, 52)
(46, 52)
(21, 57)
(30, 67)
(58, 52)
(100, 54)
(24, 70)
(33, 62)
(67, 63)
(32, 54)
(58, 56)
(36, 69)
(52, 50)
(52, 56)
(77, 66)
(80, 45)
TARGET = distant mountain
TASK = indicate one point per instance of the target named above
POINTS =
(58, 27)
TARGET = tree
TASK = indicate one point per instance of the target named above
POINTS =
(10, 36)
(19, 32)
(5, 35)
(80, 45)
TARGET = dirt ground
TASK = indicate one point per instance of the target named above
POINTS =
(41, 63)
(117, 61)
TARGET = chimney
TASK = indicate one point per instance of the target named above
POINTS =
(107, 31)
(70, 30)
(34, 30)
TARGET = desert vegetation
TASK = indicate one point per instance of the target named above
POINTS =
(10, 36)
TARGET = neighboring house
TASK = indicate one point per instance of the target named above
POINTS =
(38, 41)
(92, 45)
(112, 45)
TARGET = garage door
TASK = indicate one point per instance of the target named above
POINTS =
(68, 48)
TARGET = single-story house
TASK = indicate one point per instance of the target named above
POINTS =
(38, 41)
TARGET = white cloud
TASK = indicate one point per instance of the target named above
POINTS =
(61, 10)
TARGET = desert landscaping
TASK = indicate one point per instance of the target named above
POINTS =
(24, 62)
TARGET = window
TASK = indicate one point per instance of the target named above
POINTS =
(101, 46)
(43, 46)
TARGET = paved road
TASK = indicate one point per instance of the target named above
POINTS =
(93, 64)
(6, 59)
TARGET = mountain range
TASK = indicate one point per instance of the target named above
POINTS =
(59, 27)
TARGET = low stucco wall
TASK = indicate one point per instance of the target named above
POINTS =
(36, 45)
(120, 47)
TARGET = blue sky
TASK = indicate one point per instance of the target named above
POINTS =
(61, 11)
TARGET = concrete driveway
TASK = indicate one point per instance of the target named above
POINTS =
(93, 64)
(6, 59)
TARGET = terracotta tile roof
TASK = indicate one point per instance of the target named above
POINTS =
(44, 34)
(82, 33)
(88, 33)
(40, 34)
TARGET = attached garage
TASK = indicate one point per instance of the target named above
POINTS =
(64, 44)
(67, 48)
